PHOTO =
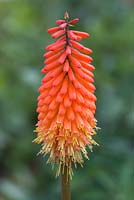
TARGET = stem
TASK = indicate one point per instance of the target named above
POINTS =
(65, 184)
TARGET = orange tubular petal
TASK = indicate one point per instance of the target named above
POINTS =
(64, 87)
(71, 75)
(74, 21)
(59, 98)
(45, 122)
(70, 114)
(58, 34)
(43, 94)
(50, 66)
(60, 119)
(87, 66)
(52, 53)
(48, 47)
(53, 105)
(40, 102)
(68, 50)
(89, 115)
(80, 47)
(62, 58)
(62, 38)
(67, 124)
(53, 73)
(66, 66)
(80, 98)
(40, 116)
(79, 120)
(88, 86)
(79, 38)
(84, 58)
(59, 41)
(74, 62)
(54, 90)
(76, 45)
(63, 25)
(87, 94)
(59, 79)
(48, 54)
(74, 128)
(71, 35)
(47, 100)
(87, 51)
(76, 84)
(89, 102)
(81, 56)
(81, 34)
(91, 105)
(53, 30)
(67, 102)
(58, 45)
(51, 114)
(87, 72)
(71, 92)
(55, 45)
(83, 75)
(41, 109)
(77, 107)
(48, 84)
(62, 110)
(47, 78)
(88, 126)
(60, 21)
(53, 58)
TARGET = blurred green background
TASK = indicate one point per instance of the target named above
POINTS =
(110, 171)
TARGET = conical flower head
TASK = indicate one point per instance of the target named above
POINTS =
(66, 104)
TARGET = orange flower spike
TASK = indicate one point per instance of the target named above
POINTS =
(66, 104)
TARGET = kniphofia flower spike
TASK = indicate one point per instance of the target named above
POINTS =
(66, 104)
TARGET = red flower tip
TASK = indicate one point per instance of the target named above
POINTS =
(60, 21)
(74, 21)
(53, 30)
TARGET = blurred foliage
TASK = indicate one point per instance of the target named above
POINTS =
(110, 171)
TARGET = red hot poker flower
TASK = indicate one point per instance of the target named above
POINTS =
(66, 104)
